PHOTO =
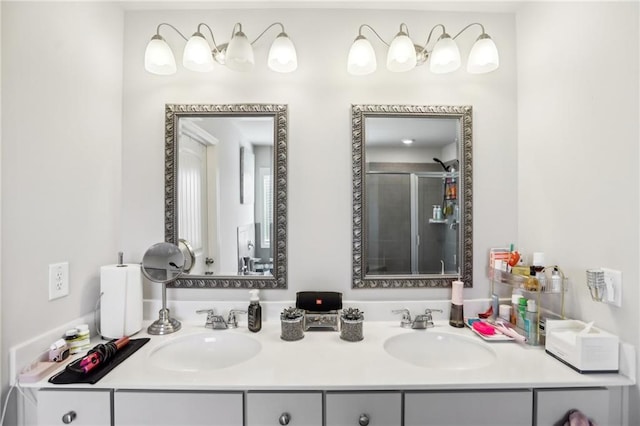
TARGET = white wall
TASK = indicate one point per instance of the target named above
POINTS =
(61, 149)
(578, 184)
(319, 95)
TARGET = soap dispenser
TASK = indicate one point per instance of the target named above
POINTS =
(254, 315)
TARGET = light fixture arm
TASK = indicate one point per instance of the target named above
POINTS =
(468, 26)
(170, 26)
(374, 32)
(267, 29)
(213, 39)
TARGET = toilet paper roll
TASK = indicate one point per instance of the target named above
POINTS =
(121, 300)
(456, 292)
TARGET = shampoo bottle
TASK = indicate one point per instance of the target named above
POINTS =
(254, 315)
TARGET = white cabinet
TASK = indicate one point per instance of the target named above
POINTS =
(133, 408)
(75, 407)
(552, 405)
(284, 408)
(468, 408)
(364, 409)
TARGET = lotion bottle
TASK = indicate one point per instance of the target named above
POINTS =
(456, 317)
(254, 316)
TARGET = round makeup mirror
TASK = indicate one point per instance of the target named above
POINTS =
(163, 263)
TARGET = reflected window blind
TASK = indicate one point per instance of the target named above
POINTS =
(190, 204)
(267, 207)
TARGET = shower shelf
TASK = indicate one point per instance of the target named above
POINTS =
(438, 221)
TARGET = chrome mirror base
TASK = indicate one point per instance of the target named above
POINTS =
(164, 324)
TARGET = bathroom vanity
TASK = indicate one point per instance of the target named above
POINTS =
(323, 380)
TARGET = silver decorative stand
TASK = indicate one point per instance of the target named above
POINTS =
(164, 324)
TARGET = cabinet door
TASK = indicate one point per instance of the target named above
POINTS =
(75, 407)
(294, 409)
(552, 405)
(468, 408)
(133, 408)
(365, 409)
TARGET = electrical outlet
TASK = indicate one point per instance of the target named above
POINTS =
(58, 280)
(613, 283)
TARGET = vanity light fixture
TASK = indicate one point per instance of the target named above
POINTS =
(237, 54)
(404, 55)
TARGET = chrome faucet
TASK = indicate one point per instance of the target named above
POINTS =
(217, 322)
(420, 322)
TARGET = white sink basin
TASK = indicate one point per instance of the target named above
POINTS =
(211, 350)
(432, 349)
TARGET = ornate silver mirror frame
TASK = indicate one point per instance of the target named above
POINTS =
(173, 113)
(360, 279)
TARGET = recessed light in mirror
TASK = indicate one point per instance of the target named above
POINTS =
(407, 141)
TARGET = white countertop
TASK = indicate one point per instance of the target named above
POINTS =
(322, 361)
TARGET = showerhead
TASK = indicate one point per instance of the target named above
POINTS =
(437, 160)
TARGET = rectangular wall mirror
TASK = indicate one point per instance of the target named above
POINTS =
(226, 194)
(412, 195)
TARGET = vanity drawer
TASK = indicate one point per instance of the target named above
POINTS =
(284, 408)
(364, 408)
(552, 405)
(468, 408)
(133, 408)
(75, 407)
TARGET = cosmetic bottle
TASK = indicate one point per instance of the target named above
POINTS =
(556, 281)
(537, 270)
(515, 306)
(522, 311)
(456, 317)
(531, 323)
(254, 315)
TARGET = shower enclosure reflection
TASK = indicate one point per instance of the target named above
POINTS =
(404, 234)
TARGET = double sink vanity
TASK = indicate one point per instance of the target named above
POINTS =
(395, 376)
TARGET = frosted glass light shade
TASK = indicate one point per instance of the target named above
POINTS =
(402, 54)
(484, 56)
(445, 56)
(197, 54)
(158, 57)
(362, 58)
(282, 54)
(239, 56)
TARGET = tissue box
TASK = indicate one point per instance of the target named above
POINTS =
(595, 351)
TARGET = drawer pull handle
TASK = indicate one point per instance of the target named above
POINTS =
(363, 420)
(284, 419)
(69, 417)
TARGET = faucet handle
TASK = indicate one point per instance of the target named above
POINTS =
(406, 316)
(428, 314)
(210, 314)
(232, 319)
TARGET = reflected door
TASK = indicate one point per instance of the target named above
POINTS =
(192, 189)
